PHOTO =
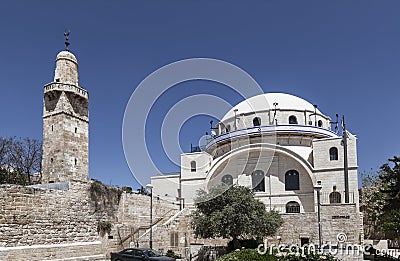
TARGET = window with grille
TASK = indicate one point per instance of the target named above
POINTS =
(335, 198)
(292, 207)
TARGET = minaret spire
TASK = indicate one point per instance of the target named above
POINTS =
(66, 34)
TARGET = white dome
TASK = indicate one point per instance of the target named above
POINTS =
(66, 56)
(266, 101)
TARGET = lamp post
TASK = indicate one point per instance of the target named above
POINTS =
(315, 114)
(318, 188)
(235, 110)
(150, 188)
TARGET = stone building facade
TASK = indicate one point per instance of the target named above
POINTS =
(283, 148)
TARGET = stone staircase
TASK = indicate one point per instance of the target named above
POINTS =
(138, 236)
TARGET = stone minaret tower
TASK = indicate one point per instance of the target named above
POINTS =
(65, 124)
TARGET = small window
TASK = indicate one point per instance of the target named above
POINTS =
(58, 80)
(228, 128)
(174, 239)
(333, 153)
(292, 180)
(228, 180)
(76, 130)
(51, 160)
(335, 198)
(193, 166)
(292, 119)
(292, 207)
(258, 181)
(257, 121)
(76, 162)
(320, 124)
(52, 127)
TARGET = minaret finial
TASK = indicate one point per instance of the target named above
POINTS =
(66, 34)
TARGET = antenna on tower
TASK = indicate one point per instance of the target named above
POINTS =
(66, 34)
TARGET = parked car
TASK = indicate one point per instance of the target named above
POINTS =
(139, 254)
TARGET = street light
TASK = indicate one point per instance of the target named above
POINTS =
(235, 110)
(318, 188)
(150, 188)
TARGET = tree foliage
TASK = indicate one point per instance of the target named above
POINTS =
(389, 176)
(380, 202)
(19, 159)
(232, 213)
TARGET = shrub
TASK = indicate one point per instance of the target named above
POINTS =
(171, 253)
(104, 227)
(253, 255)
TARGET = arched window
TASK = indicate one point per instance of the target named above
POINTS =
(228, 128)
(227, 179)
(258, 181)
(292, 180)
(193, 166)
(292, 119)
(320, 123)
(333, 153)
(335, 198)
(257, 121)
(292, 207)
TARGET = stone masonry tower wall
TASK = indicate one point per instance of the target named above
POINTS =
(65, 124)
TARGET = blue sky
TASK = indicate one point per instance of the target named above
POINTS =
(342, 55)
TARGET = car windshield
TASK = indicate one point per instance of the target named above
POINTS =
(152, 253)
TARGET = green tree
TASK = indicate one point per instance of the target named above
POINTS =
(389, 176)
(371, 204)
(232, 213)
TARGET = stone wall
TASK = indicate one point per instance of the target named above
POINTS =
(38, 216)
(41, 224)
(335, 219)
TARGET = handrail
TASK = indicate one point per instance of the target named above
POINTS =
(145, 227)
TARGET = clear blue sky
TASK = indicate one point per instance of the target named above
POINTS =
(342, 55)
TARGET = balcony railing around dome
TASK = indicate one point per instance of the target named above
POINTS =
(65, 87)
(305, 129)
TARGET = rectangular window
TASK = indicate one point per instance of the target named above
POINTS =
(174, 239)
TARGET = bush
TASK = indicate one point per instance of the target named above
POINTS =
(171, 253)
(104, 227)
(246, 255)
(253, 255)
(245, 243)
